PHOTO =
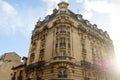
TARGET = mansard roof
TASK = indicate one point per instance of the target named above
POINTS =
(76, 16)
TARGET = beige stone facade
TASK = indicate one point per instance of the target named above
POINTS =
(65, 46)
(7, 61)
(19, 72)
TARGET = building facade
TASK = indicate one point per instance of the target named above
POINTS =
(64, 46)
(7, 61)
(19, 71)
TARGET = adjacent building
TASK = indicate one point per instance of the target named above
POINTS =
(19, 71)
(64, 46)
(7, 61)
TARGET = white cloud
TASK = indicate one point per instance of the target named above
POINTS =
(7, 8)
(101, 6)
(16, 22)
(51, 4)
(7, 13)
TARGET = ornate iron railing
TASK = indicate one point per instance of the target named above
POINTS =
(33, 66)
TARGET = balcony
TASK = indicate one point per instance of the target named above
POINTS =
(86, 78)
(62, 45)
(82, 28)
(62, 76)
(63, 32)
(97, 67)
(39, 78)
(85, 64)
(59, 21)
(62, 59)
(30, 67)
(40, 64)
(36, 65)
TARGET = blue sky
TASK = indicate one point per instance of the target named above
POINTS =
(18, 18)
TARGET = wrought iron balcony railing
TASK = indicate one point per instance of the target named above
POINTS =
(62, 76)
(97, 67)
(86, 78)
(64, 57)
(39, 78)
(62, 45)
(85, 63)
(63, 32)
(33, 66)
(91, 66)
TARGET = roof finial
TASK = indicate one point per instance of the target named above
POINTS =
(63, 4)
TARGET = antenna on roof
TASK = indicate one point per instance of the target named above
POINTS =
(78, 11)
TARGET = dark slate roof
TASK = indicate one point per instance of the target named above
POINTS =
(50, 17)
(72, 13)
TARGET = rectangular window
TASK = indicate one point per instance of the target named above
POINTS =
(43, 38)
(82, 37)
(93, 52)
(83, 49)
(63, 30)
(62, 42)
(32, 56)
(21, 72)
(62, 53)
(68, 45)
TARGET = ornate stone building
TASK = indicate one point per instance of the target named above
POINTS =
(64, 46)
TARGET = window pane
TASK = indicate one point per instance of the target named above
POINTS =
(62, 42)
(62, 53)
(63, 29)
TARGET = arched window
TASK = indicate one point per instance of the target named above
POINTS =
(62, 72)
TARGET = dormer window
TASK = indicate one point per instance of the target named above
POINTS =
(47, 17)
(79, 17)
(63, 10)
